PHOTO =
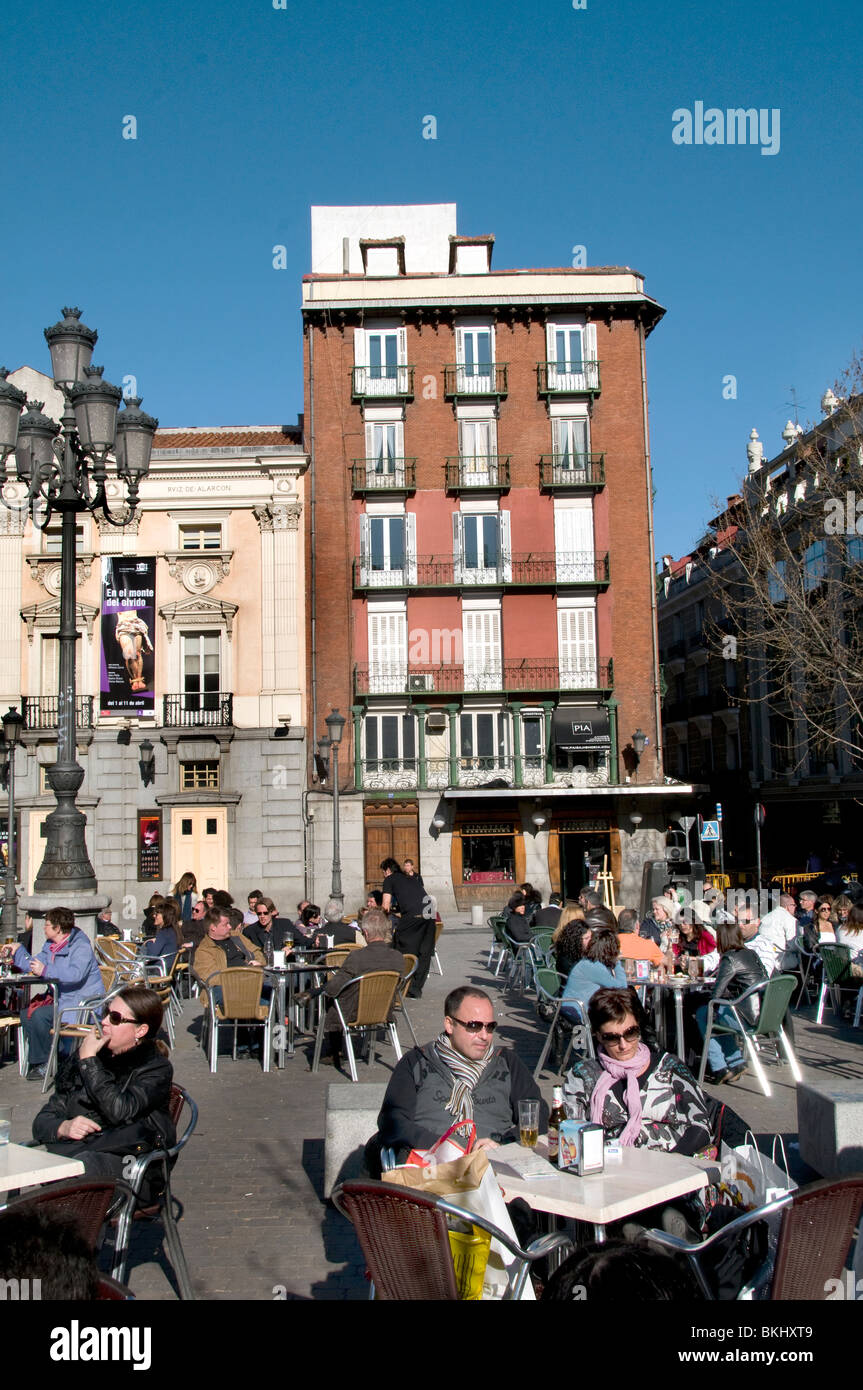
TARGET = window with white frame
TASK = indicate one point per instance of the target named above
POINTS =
(481, 646)
(389, 742)
(570, 442)
(197, 536)
(388, 549)
(201, 658)
(481, 547)
(52, 539)
(576, 643)
(477, 448)
(484, 741)
(571, 349)
(573, 540)
(49, 664)
(475, 358)
(380, 358)
(388, 648)
(533, 744)
(384, 446)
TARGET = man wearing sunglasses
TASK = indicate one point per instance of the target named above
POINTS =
(462, 1075)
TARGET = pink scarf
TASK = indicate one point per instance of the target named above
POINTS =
(617, 1071)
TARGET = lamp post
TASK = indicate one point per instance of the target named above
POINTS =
(13, 725)
(639, 738)
(335, 723)
(65, 470)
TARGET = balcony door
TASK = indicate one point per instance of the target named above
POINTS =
(201, 671)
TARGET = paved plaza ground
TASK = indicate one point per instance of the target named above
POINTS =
(250, 1181)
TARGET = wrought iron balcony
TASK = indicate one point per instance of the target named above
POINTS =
(464, 473)
(378, 475)
(529, 675)
(382, 383)
(475, 379)
(213, 709)
(530, 570)
(582, 471)
(567, 378)
(41, 711)
(398, 774)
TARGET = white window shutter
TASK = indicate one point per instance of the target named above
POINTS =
(550, 351)
(360, 352)
(403, 346)
(456, 546)
(365, 549)
(459, 346)
(411, 547)
(505, 547)
(590, 342)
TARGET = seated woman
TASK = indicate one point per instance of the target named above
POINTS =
(517, 925)
(599, 967)
(850, 933)
(112, 1097)
(641, 1096)
(825, 920)
(739, 969)
(169, 935)
(567, 938)
(696, 942)
(67, 959)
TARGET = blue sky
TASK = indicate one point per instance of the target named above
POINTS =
(554, 129)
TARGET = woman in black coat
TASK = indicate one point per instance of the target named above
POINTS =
(113, 1095)
(739, 969)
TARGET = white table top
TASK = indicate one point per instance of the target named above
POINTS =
(23, 1167)
(641, 1178)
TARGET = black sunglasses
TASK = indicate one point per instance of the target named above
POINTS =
(111, 1016)
(475, 1025)
(629, 1036)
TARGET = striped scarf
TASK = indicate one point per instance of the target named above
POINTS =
(466, 1074)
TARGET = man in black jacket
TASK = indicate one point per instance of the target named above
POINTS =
(548, 917)
(377, 954)
(461, 1075)
(414, 931)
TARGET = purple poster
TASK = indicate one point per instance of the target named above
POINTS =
(128, 631)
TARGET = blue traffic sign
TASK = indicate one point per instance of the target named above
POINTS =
(710, 830)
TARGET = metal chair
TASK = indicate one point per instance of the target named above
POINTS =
(138, 1171)
(548, 982)
(438, 928)
(241, 1004)
(521, 961)
(836, 977)
(374, 1003)
(81, 1024)
(817, 1228)
(404, 1237)
(9, 1024)
(399, 1003)
(122, 955)
(83, 1205)
(767, 1032)
(496, 924)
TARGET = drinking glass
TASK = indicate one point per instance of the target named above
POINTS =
(528, 1123)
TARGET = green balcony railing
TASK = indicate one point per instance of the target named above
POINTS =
(464, 472)
(475, 379)
(572, 471)
(377, 475)
(568, 378)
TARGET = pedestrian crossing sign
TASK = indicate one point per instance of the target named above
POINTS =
(710, 830)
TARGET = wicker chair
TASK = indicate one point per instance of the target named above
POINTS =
(399, 1004)
(374, 1004)
(241, 1004)
(132, 1208)
(404, 1237)
(9, 1024)
(83, 1205)
(815, 1237)
(122, 955)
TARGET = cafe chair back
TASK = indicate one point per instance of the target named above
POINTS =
(400, 1008)
(122, 955)
(76, 1027)
(9, 1024)
(374, 998)
(438, 928)
(767, 1034)
(835, 977)
(521, 961)
(404, 1237)
(82, 1205)
(497, 944)
(815, 1244)
(162, 1160)
(240, 1005)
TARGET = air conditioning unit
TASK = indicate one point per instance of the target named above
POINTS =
(424, 682)
(436, 722)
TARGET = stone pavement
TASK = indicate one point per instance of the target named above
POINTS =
(250, 1180)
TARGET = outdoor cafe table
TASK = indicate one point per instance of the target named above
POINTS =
(639, 1179)
(24, 1167)
(285, 979)
(679, 984)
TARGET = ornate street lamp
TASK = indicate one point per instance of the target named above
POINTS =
(335, 723)
(13, 726)
(65, 470)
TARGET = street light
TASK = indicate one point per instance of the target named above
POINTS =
(335, 722)
(65, 469)
(13, 725)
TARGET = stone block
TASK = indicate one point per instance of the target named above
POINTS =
(351, 1120)
(830, 1126)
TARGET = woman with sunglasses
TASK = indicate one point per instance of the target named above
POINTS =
(825, 920)
(641, 1096)
(112, 1096)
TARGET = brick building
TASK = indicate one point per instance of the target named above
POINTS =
(479, 553)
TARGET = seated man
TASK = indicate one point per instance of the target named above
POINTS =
(635, 947)
(222, 949)
(517, 925)
(459, 1076)
(549, 916)
(271, 928)
(377, 954)
(778, 933)
(332, 929)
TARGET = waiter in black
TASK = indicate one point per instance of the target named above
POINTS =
(414, 930)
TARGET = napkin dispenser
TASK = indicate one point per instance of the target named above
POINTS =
(582, 1147)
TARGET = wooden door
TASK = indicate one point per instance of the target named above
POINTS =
(199, 844)
(391, 832)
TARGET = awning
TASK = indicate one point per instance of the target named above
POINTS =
(575, 728)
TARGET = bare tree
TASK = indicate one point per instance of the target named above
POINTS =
(792, 596)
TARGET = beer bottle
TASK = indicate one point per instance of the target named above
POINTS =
(557, 1114)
